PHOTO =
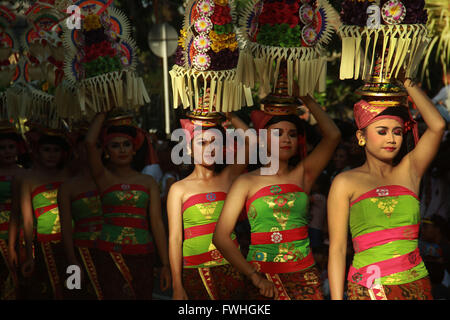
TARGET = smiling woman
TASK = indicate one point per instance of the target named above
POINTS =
(379, 201)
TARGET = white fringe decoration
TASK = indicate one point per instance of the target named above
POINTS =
(402, 47)
(229, 94)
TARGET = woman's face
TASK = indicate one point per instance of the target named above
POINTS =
(50, 155)
(8, 152)
(384, 139)
(287, 139)
(205, 146)
(120, 150)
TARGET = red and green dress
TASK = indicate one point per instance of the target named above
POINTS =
(279, 247)
(206, 273)
(125, 260)
(8, 279)
(50, 264)
(86, 209)
(384, 224)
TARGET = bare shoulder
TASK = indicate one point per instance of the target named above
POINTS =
(148, 181)
(346, 182)
(177, 188)
(247, 178)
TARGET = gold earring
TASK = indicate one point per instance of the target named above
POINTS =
(362, 142)
(106, 156)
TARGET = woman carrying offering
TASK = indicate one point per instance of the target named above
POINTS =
(279, 263)
(194, 205)
(379, 201)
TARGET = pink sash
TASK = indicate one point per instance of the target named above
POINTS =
(366, 275)
(378, 238)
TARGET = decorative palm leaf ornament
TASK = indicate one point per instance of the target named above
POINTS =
(286, 36)
(204, 77)
(9, 67)
(42, 65)
(101, 59)
(439, 26)
(379, 52)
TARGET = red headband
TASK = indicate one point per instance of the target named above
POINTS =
(366, 113)
(137, 142)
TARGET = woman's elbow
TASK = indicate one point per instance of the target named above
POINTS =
(335, 135)
(217, 239)
(440, 126)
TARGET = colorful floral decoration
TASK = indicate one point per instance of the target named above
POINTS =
(42, 63)
(378, 53)
(9, 67)
(288, 32)
(393, 12)
(101, 59)
(207, 59)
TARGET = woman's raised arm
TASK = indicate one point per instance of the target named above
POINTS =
(427, 147)
(93, 153)
(318, 159)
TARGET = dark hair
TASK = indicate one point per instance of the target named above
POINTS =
(139, 159)
(129, 130)
(299, 124)
(217, 167)
(54, 140)
(301, 130)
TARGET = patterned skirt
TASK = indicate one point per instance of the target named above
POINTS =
(125, 277)
(301, 285)
(90, 286)
(8, 278)
(416, 290)
(49, 276)
(214, 283)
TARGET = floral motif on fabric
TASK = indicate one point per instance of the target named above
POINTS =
(207, 209)
(387, 206)
(252, 213)
(281, 206)
(127, 236)
(288, 252)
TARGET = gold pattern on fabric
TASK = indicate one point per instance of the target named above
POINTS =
(127, 236)
(394, 279)
(91, 203)
(56, 225)
(91, 271)
(387, 205)
(281, 206)
(50, 195)
(288, 252)
(252, 213)
(207, 209)
(131, 197)
(125, 271)
(205, 274)
(311, 278)
(4, 214)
